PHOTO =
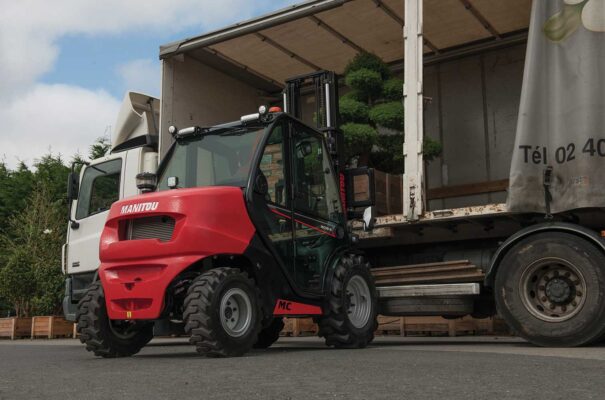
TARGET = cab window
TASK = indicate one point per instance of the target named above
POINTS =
(316, 192)
(100, 188)
(273, 168)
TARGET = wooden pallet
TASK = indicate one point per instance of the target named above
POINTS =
(427, 326)
(299, 327)
(440, 272)
(14, 327)
(51, 327)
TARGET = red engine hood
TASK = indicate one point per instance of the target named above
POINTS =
(136, 273)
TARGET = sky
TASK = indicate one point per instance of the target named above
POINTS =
(65, 65)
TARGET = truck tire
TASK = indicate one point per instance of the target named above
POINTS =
(222, 313)
(270, 334)
(550, 289)
(349, 319)
(107, 338)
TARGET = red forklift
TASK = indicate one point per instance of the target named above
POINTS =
(244, 223)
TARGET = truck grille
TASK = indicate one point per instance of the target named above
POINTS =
(161, 227)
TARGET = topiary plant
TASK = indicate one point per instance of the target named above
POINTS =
(388, 115)
(358, 139)
(375, 101)
(367, 83)
(353, 110)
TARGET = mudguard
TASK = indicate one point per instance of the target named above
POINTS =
(589, 235)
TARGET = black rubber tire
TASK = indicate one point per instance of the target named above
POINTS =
(585, 327)
(270, 334)
(202, 309)
(96, 333)
(334, 325)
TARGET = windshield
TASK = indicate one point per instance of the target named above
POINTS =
(212, 160)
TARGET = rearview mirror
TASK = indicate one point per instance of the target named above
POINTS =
(73, 186)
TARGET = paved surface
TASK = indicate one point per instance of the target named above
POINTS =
(302, 368)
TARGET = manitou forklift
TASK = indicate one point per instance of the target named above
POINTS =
(245, 223)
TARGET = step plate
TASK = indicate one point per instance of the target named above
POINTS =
(451, 289)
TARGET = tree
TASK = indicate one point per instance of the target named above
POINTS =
(372, 116)
(32, 280)
(99, 148)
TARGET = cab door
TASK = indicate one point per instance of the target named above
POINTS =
(100, 186)
(273, 201)
(317, 209)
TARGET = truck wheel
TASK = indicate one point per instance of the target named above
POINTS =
(222, 313)
(351, 305)
(270, 334)
(550, 289)
(106, 338)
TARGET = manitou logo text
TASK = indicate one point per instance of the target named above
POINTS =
(138, 207)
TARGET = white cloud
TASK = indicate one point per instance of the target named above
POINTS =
(30, 28)
(142, 75)
(35, 116)
(58, 118)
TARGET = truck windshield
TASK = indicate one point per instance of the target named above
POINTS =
(212, 160)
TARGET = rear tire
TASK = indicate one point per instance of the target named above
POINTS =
(350, 318)
(222, 313)
(107, 338)
(550, 289)
(270, 334)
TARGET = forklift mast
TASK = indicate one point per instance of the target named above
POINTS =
(323, 86)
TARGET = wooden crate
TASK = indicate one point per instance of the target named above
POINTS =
(299, 327)
(14, 327)
(51, 327)
(388, 190)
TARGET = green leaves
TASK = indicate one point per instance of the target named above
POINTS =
(31, 280)
(366, 82)
(359, 138)
(392, 90)
(388, 115)
(352, 110)
(431, 149)
(370, 62)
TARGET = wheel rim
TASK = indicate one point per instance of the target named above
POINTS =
(553, 289)
(359, 305)
(124, 330)
(236, 312)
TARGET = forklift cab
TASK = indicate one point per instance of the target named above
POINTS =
(285, 171)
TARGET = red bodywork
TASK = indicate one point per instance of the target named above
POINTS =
(136, 273)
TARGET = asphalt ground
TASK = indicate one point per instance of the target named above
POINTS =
(303, 368)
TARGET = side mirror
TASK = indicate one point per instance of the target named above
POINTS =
(261, 186)
(303, 149)
(369, 218)
(73, 186)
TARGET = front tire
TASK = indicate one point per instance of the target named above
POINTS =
(550, 289)
(106, 338)
(222, 313)
(350, 318)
